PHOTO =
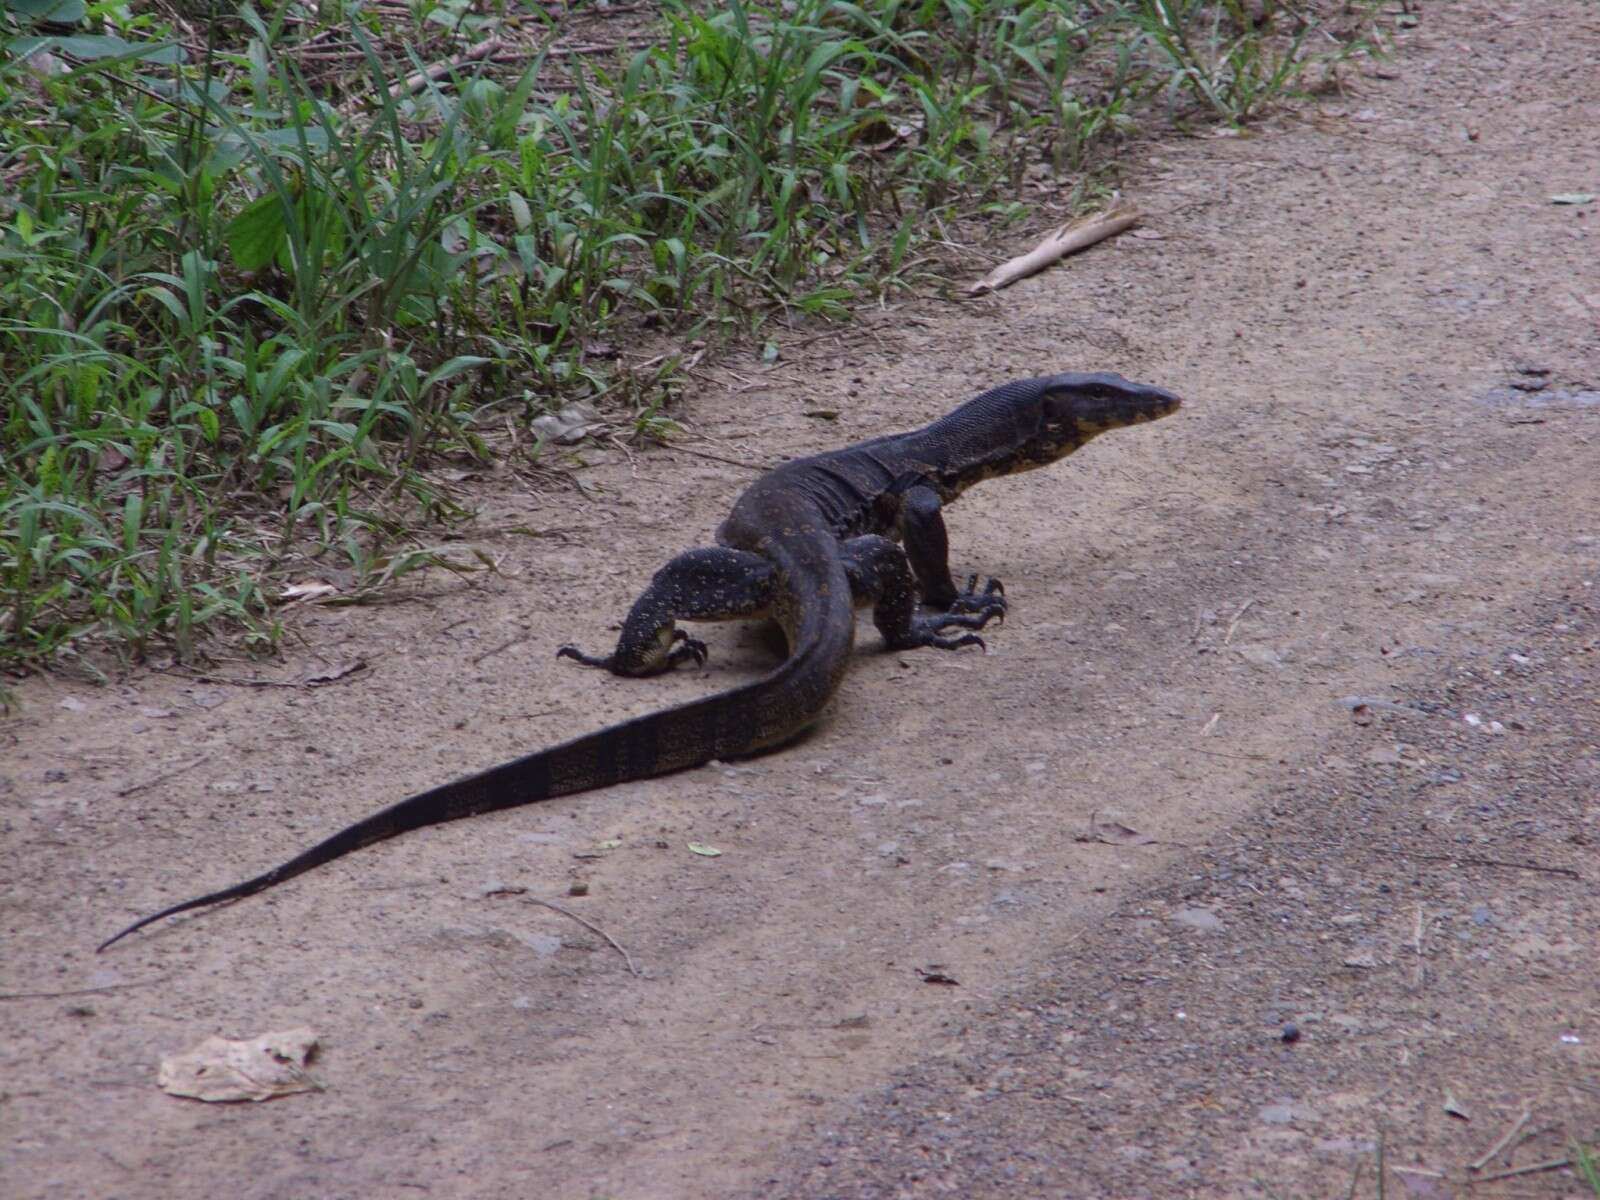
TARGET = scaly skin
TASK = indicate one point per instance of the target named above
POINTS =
(804, 545)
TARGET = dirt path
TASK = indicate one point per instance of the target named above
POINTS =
(1357, 502)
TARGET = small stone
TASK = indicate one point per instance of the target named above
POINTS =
(544, 945)
(1260, 656)
(1284, 1114)
(1291, 1033)
(1202, 919)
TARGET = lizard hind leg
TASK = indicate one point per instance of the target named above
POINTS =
(712, 583)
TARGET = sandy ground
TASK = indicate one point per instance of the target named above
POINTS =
(1361, 500)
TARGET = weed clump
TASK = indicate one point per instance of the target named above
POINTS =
(264, 271)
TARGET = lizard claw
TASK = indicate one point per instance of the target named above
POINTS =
(955, 643)
(925, 632)
(956, 620)
(983, 605)
(682, 649)
(685, 647)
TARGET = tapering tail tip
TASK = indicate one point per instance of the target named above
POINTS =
(117, 937)
(143, 921)
(248, 888)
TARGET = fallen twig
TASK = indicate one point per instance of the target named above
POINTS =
(1070, 238)
(416, 82)
(1355, 703)
(1422, 1171)
(94, 991)
(1416, 944)
(1237, 617)
(1246, 757)
(1483, 1160)
(680, 448)
(1468, 860)
(626, 43)
(305, 681)
(592, 928)
(1554, 1164)
(162, 778)
(505, 645)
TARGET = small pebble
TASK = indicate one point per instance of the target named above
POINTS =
(1291, 1032)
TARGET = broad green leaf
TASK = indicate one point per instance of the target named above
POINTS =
(64, 12)
(209, 425)
(520, 212)
(257, 234)
(168, 301)
(95, 46)
(132, 521)
(452, 368)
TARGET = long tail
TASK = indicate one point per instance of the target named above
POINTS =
(745, 720)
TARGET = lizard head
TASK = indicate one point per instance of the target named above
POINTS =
(1084, 404)
(1034, 422)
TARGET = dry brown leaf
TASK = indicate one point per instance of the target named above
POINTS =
(311, 589)
(1108, 827)
(569, 426)
(256, 1069)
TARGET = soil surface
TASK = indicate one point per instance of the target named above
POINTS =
(1293, 723)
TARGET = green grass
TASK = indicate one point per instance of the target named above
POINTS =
(257, 291)
(1586, 1165)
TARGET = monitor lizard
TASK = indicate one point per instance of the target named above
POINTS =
(806, 544)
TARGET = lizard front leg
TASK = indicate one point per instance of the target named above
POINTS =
(880, 574)
(708, 584)
(920, 523)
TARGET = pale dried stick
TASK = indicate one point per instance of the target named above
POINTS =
(1070, 238)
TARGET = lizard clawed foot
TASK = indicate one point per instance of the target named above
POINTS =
(991, 602)
(925, 632)
(684, 648)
